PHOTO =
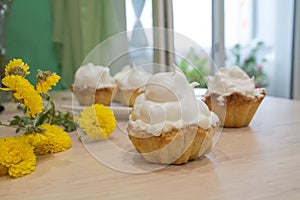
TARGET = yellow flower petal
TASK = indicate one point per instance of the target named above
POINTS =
(5, 89)
(3, 170)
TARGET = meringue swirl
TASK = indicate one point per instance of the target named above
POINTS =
(169, 101)
(132, 78)
(232, 79)
(93, 76)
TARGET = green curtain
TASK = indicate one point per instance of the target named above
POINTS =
(29, 35)
(79, 25)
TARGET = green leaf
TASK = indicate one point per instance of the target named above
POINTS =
(65, 120)
(14, 122)
(18, 130)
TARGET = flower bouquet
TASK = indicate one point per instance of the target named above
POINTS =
(41, 130)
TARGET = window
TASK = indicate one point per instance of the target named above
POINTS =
(224, 27)
(193, 44)
(193, 19)
(265, 25)
(140, 38)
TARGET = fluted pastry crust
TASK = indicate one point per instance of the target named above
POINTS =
(89, 96)
(177, 146)
(237, 111)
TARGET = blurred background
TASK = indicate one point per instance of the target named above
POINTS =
(260, 36)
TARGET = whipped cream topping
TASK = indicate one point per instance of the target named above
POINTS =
(133, 78)
(169, 101)
(118, 76)
(93, 76)
(233, 79)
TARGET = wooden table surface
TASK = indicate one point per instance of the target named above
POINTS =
(261, 161)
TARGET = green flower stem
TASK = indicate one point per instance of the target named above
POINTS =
(12, 126)
(48, 112)
(52, 113)
(52, 110)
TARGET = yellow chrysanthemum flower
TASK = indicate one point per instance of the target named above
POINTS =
(16, 67)
(97, 121)
(53, 140)
(16, 156)
(25, 93)
(45, 81)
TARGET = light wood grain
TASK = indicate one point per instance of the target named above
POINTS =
(261, 161)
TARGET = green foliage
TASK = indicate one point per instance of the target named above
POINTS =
(49, 115)
(251, 65)
(194, 68)
(22, 123)
(55, 117)
(64, 119)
